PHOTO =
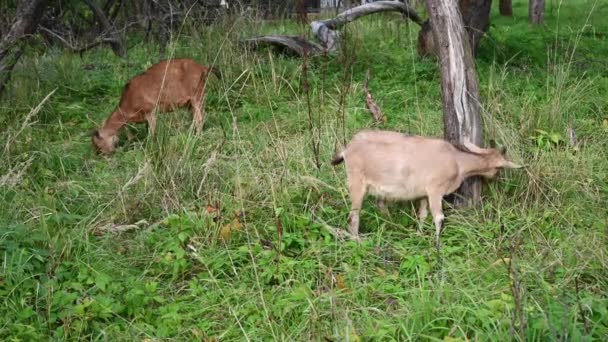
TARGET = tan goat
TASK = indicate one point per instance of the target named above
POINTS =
(391, 165)
(165, 86)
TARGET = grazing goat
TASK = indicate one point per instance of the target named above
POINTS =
(391, 165)
(165, 86)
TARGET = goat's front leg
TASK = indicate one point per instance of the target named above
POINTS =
(423, 211)
(436, 210)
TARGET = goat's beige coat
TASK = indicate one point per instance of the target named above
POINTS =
(391, 165)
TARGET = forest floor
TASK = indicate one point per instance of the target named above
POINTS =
(175, 236)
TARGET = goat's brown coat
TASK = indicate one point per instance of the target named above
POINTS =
(165, 86)
(392, 165)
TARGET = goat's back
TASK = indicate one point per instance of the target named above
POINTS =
(168, 83)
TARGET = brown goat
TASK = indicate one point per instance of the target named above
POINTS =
(165, 86)
(392, 165)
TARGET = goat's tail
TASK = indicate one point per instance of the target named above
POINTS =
(337, 159)
(216, 72)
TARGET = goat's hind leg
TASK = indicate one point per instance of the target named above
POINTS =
(423, 211)
(438, 217)
(381, 203)
(356, 189)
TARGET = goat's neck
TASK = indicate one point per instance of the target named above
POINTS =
(472, 164)
(113, 123)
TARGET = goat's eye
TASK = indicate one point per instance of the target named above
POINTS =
(503, 150)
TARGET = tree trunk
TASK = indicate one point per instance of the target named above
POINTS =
(505, 7)
(476, 16)
(536, 10)
(302, 11)
(26, 21)
(459, 85)
(115, 40)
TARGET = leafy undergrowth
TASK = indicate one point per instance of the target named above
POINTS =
(227, 235)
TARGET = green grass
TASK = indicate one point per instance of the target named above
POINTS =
(171, 276)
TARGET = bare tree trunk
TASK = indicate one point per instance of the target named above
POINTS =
(26, 21)
(115, 40)
(536, 13)
(459, 85)
(302, 11)
(505, 7)
(476, 17)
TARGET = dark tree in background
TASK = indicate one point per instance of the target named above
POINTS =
(108, 28)
(475, 15)
(459, 85)
(536, 13)
(505, 7)
(26, 21)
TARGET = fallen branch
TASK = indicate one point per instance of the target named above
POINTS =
(290, 44)
(112, 228)
(371, 105)
(339, 234)
(325, 30)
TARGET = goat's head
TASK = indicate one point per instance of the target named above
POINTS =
(102, 142)
(495, 159)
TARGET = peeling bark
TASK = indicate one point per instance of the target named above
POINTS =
(459, 85)
(26, 22)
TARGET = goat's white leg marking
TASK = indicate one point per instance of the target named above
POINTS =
(436, 210)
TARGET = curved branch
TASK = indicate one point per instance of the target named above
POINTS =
(325, 30)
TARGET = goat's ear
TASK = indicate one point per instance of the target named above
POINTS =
(95, 133)
(473, 148)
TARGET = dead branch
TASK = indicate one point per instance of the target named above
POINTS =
(80, 50)
(326, 30)
(371, 105)
(339, 234)
(291, 44)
